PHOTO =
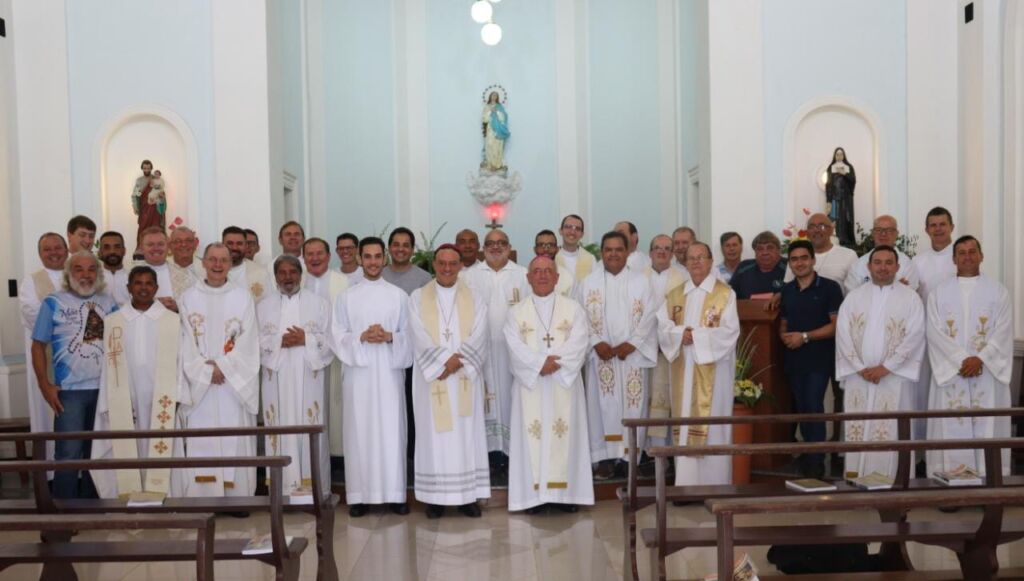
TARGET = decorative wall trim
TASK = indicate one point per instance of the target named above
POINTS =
(412, 139)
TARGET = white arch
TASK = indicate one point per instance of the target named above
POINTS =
(851, 104)
(128, 115)
(1013, 148)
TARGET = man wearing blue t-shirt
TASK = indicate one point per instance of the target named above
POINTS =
(763, 276)
(70, 322)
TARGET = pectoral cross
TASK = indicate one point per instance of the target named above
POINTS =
(548, 339)
(440, 390)
(447, 335)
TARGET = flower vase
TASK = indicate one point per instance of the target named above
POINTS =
(741, 434)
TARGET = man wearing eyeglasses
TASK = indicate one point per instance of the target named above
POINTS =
(546, 244)
(572, 257)
(884, 233)
(831, 261)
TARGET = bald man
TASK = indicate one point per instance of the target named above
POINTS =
(885, 232)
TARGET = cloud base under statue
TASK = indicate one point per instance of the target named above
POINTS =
(494, 187)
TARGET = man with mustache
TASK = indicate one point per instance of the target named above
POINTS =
(115, 275)
(244, 273)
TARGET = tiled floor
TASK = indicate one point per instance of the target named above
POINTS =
(586, 546)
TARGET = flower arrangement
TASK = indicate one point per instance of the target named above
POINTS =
(745, 390)
(792, 232)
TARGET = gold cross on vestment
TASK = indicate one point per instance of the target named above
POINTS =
(440, 390)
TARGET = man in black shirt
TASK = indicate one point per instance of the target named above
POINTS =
(809, 307)
(762, 277)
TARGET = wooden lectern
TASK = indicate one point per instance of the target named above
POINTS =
(765, 325)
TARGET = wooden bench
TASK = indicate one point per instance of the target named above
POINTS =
(635, 497)
(322, 508)
(66, 553)
(16, 426)
(56, 538)
(664, 541)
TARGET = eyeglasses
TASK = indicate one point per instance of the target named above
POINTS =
(698, 259)
(662, 249)
(884, 230)
(818, 226)
(496, 244)
(573, 227)
(547, 245)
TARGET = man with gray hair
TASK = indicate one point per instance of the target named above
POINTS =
(70, 322)
(762, 277)
(184, 268)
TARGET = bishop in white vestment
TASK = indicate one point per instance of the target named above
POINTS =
(879, 346)
(620, 308)
(697, 329)
(449, 332)
(138, 388)
(295, 350)
(970, 345)
(220, 355)
(548, 341)
(369, 334)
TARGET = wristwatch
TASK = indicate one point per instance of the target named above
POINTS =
(806, 338)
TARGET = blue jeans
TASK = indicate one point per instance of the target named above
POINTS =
(79, 415)
(809, 398)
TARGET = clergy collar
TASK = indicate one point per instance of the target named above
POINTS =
(508, 264)
(154, 312)
(544, 301)
(154, 266)
(294, 295)
(883, 288)
(624, 270)
(707, 285)
(216, 290)
(969, 278)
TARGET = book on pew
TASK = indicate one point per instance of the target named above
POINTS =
(873, 481)
(301, 495)
(144, 499)
(959, 476)
(744, 570)
(810, 485)
(262, 544)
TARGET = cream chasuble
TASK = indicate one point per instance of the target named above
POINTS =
(500, 290)
(580, 263)
(701, 374)
(548, 460)
(253, 277)
(566, 283)
(31, 292)
(451, 447)
(183, 277)
(878, 326)
(659, 405)
(858, 274)
(969, 317)
(373, 388)
(620, 308)
(328, 286)
(219, 324)
(138, 391)
(293, 380)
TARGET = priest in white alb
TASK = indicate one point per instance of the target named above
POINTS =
(448, 325)
(620, 307)
(370, 334)
(573, 257)
(548, 339)
(546, 244)
(663, 277)
(879, 347)
(697, 329)
(138, 388)
(295, 351)
(220, 359)
(970, 345)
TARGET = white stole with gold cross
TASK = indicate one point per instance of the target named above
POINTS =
(440, 403)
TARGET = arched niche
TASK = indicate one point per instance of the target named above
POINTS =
(811, 135)
(152, 133)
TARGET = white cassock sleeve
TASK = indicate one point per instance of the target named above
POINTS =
(345, 340)
(905, 359)
(401, 340)
(645, 334)
(998, 352)
(430, 357)
(712, 344)
(474, 349)
(848, 361)
(29, 304)
(317, 352)
(670, 335)
(269, 313)
(945, 353)
(196, 371)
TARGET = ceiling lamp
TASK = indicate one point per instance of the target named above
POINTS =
(491, 34)
(481, 11)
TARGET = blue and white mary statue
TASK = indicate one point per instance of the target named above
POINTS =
(495, 130)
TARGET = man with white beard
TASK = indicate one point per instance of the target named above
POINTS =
(220, 359)
(138, 388)
(295, 351)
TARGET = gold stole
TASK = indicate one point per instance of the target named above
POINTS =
(440, 404)
(703, 375)
(119, 401)
(532, 400)
(661, 378)
(44, 286)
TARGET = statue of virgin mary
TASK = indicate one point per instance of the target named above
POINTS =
(495, 130)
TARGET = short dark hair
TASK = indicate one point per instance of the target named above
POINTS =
(939, 211)
(395, 232)
(577, 216)
(144, 162)
(884, 248)
(630, 225)
(613, 234)
(314, 240)
(81, 221)
(726, 236)
(231, 230)
(544, 232)
(805, 244)
(280, 231)
(370, 241)
(347, 236)
(112, 233)
(965, 239)
(141, 270)
(249, 232)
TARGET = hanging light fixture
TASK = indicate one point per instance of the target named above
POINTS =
(481, 11)
(491, 34)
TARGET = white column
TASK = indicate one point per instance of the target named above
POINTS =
(314, 118)
(571, 102)
(241, 116)
(668, 113)
(412, 159)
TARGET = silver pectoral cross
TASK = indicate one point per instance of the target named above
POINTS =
(447, 334)
(548, 339)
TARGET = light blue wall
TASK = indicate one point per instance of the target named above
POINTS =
(624, 142)
(804, 41)
(459, 68)
(691, 21)
(360, 132)
(125, 53)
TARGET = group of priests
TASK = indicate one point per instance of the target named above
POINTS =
(486, 362)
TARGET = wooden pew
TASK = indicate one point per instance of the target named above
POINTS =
(57, 552)
(664, 541)
(635, 497)
(18, 426)
(322, 508)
